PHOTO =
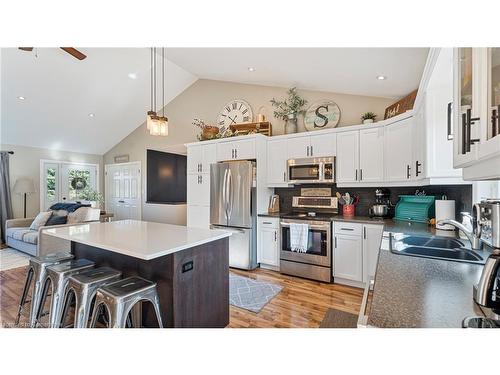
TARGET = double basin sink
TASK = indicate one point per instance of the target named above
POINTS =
(435, 247)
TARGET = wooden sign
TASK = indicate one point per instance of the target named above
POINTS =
(322, 114)
(401, 106)
(264, 128)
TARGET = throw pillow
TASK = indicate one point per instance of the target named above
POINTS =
(40, 220)
(56, 219)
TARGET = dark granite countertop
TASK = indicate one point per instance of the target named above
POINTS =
(414, 292)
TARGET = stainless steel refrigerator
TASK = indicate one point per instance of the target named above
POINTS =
(232, 207)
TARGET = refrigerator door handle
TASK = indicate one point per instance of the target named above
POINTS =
(224, 194)
(229, 229)
(229, 194)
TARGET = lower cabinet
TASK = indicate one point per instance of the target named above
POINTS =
(268, 248)
(198, 216)
(348, 257)
(355, 251)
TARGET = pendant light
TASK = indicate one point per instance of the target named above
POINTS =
(151, 113)
(159, 124)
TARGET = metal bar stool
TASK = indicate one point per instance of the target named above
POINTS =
(57, 276)
(36, 275)
(83, 286)
(121, 296)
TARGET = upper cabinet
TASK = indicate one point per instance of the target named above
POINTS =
(371, 155)
(306, 146)
(236, 150)
(398, 151)
(200, 157)
(347, 157)
(477, 95)
(277, 156)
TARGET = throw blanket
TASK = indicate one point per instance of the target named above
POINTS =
(70, 207)
(299, 237)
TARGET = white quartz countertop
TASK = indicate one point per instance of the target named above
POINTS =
(139, 239)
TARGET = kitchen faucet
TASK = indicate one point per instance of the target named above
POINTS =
(474, 235)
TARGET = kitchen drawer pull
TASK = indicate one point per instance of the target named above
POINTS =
(350, 229)
(266, 222)
(120, 201)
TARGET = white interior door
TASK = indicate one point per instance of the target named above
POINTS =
(123, 190)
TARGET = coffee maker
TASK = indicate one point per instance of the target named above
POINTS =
(487, 291)
(382, 206)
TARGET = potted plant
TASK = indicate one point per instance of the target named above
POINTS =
(207, 131)
(289, 109)
(368, 117)
(95, 198)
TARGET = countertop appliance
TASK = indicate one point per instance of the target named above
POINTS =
(311, 170)
(232, 207)
(382, 206)
(316, 262)
(489, 221)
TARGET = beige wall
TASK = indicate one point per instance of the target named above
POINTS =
(26, 163)
(204, 99)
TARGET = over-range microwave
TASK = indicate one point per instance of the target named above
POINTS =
(311, 170)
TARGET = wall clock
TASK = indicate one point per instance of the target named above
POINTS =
(322, 114)
(235, 112)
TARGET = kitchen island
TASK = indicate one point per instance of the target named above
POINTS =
(189, 265)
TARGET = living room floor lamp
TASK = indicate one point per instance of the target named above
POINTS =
(24, 186)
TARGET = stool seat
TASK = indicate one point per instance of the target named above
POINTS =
(36, 273)
(83, 287)
(127, 287)
(58, 276)
(120, 297)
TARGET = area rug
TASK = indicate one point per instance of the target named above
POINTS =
(10, 258)
(339, 319)
(250, 294)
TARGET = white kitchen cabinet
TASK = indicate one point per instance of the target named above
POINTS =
(372, 238)
(347, 157)
(236, 150)
(304, 146)
(323, 145)
(268, 248)
(299, 147)
(348, 257)
(371, 155)
(199, 158)
(277, 155)
(198, 189)
(198, 216)
(398, 151)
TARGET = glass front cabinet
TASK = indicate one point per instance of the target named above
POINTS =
(476, 108)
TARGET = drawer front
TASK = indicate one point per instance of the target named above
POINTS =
(353, 229)
(269, 222)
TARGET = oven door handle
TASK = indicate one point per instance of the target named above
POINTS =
(323, 227)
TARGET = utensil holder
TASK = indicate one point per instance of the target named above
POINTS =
(348, 210)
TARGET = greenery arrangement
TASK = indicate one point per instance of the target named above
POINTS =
(92, 195)
(210, 131)
(368, 116)
(291, 107)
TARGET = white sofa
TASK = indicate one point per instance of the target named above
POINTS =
(19, 236)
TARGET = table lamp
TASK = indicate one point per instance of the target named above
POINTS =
(24, 186)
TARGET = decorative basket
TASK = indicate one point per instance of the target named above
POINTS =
(209, 132)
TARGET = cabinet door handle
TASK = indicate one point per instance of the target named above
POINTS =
(495, 122)
(284, 176)
(408, 173)
(360, 175)
(201, 167)
(356, 175)
(364, 233)
(275, 236)
(417, 171)
(470, 121)
(449, 135)
(232, 153)
(464, 133)
(307, 150)
(201, 179)
(312, 152)
(335, 241)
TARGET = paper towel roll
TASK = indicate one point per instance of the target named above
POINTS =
(445, 209)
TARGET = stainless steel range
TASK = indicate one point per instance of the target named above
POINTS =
(316, 262)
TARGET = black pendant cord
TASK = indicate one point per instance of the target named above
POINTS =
(163, 80)
(155, 79)
(151, 81)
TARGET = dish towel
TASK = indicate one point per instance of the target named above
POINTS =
(299, 237)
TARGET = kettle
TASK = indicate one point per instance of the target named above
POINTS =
(484, 292)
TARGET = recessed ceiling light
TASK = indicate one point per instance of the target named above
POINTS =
(251, 69)
(132, 76)
(381, 78)
(21, 97)
(91, 115)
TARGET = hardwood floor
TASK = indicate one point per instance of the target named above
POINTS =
(301, 304)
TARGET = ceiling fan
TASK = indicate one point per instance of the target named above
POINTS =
(72, 51)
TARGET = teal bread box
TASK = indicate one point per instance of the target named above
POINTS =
(417, 208)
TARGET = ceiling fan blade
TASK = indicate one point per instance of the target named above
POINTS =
(29, 49)
(74, 52)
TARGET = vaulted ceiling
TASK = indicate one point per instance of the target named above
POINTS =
(62, 93)
(113, 85)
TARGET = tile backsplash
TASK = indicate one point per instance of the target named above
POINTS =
(461, 194)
